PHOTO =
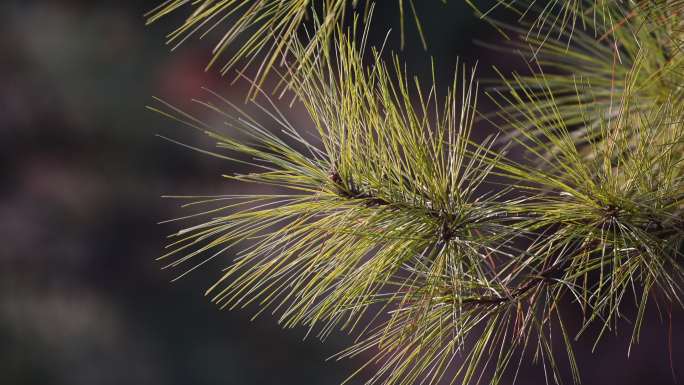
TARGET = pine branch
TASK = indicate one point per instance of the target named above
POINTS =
(386, 229)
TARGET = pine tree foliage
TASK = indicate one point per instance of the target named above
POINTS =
(639, 58)
(445, 258)
(262, 29)
(559, 20)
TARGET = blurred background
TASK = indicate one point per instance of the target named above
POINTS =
(82, 299)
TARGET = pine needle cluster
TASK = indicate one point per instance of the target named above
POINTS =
(447, 259)
(263, 30)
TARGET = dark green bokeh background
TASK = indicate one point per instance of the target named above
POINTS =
(82, 300)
